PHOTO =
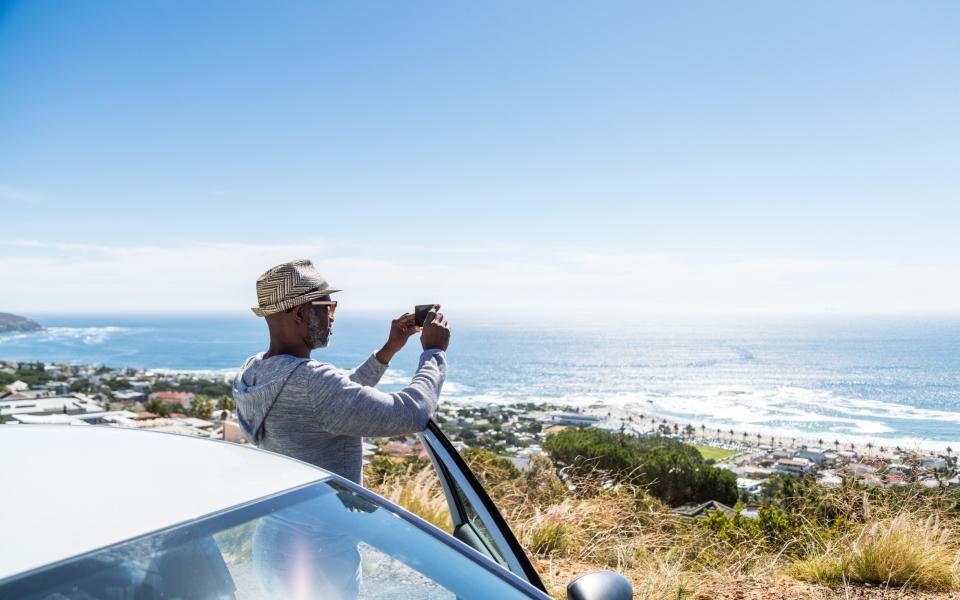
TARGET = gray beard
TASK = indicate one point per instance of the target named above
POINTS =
(318, 334)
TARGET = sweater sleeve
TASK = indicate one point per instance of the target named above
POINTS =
(345, 407)
(370, 372)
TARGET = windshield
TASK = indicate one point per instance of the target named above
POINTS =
(320, 541)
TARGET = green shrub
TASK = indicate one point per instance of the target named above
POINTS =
(670, 470)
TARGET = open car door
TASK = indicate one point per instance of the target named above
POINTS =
(476, 521)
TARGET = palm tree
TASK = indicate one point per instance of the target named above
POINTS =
(820, 441)
(836, 444)
(226, 403)
(869, 446)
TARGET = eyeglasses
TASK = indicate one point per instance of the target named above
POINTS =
(330, 303)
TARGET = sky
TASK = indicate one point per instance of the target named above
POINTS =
(536, 157)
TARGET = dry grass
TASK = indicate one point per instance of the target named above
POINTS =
(587, 524)
(421, 494)
(902, 551)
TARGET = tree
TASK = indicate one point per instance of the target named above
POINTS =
(670, 470)
(157, 407)
(201, 408)
(226, 403)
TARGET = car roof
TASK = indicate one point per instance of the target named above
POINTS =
(68, 490)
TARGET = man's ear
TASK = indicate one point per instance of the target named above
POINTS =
(299, 314)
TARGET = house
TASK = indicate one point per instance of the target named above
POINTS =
(792, 466)
(73, 404)
(18, 386)
(139, 385)
(933, 462)
(575, 419)
(751, 486)
(899, 470)
(396, 449)
(54, 387)
(701, 511)
(815, 455)
(130, 396)
(184, 399)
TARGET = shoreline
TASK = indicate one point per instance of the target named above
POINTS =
(645, 412)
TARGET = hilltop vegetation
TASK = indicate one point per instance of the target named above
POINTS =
(807, 542)
(10, 322)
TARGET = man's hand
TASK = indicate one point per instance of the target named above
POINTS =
(401, 329)
(436, 331)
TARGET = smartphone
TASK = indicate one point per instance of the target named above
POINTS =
(420, 313)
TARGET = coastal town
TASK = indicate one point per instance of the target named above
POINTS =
(34, 393)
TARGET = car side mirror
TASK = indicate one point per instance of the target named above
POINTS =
(600, 585)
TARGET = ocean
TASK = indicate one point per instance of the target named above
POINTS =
(890, 380)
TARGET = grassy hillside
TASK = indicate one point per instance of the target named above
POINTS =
(809, 542)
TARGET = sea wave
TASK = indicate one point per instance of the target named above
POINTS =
(86, 335)
(777, 411)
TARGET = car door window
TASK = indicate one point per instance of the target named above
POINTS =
(476, 520)
(325, 540)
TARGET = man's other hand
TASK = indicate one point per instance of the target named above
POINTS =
(436, 331)
(401, 329)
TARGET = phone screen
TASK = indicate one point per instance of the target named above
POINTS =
(420, 313)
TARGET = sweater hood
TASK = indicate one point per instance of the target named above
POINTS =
(257, 387)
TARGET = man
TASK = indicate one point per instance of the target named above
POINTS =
(292, 404)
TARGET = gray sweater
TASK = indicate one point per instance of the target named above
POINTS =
(318, 413)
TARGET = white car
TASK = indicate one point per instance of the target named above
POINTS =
(110, 513)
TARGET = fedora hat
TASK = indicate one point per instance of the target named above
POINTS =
(288, 285)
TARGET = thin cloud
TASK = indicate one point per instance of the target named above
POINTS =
(220, 277)
(15, 195)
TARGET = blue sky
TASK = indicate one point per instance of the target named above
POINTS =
(689, 156)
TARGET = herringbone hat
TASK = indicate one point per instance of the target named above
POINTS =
(288, 285)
